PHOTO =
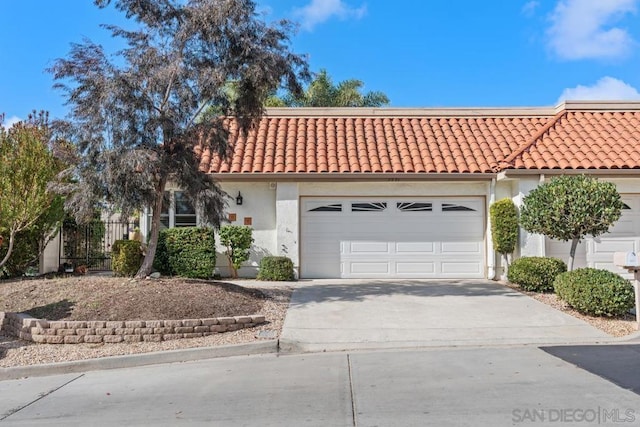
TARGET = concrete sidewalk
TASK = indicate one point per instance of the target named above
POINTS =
(367, 314)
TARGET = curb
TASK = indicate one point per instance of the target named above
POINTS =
(142, 359)
(293, 347)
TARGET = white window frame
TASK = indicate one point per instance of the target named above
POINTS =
(171, 212)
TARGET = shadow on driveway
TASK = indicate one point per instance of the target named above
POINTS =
(359, 290)
(618, 363)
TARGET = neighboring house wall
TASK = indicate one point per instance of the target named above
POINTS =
(596, 253)
(50, 258)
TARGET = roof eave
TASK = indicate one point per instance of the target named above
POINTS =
(514, 173)
(337, 176)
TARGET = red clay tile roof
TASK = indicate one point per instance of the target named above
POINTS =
(586, 140)
(397, 141)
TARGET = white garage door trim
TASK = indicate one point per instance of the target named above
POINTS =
(392, 237)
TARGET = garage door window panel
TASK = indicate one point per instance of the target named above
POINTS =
(331, 207)
(368, 207)
(450, 207)
(414, 207)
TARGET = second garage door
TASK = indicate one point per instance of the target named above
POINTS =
(392, 237)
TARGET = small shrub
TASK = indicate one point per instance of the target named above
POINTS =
(126, 257)
(536, 274)
(276, 268)
(237, 239)
(595, 292)
(187, 252)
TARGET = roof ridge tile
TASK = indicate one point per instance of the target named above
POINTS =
(508, 161)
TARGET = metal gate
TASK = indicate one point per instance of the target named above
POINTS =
(90, 244)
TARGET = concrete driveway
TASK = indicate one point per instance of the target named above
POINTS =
(366, 314)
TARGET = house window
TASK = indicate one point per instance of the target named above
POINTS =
(164, 213)
(177, 211)
(185, 213)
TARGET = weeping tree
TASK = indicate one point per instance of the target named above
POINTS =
(322, 92)
(569, 208)
(134, 115)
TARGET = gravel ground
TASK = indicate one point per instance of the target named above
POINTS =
(15, 352)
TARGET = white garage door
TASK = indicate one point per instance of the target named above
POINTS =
(383, 237)
(597, 252)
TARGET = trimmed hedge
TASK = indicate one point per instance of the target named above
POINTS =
(276, 268)
(595, 292)
(187, 252)
(504, 226)
(126, 257)
(536, 274)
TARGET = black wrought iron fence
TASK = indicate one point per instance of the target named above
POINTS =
(90, 244)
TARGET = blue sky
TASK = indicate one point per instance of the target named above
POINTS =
(428, 53)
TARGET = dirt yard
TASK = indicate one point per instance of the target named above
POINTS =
(116, 298)
(111, 298)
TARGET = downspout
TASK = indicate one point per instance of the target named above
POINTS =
(491, 255)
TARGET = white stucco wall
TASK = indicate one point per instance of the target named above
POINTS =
(529, 244)
(390, 188)
(288, 223)
(258, 205)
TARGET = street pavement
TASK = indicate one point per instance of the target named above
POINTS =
(502, 386)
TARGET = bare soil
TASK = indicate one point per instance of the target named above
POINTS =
(116, 298)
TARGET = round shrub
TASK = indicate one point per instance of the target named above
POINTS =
(595, 292)
(535, 274)
(276, 268)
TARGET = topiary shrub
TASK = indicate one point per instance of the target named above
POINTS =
(276, 268)
(595, 292)
(126, 257)
(504, 226)
(535, 274)
(187, 252)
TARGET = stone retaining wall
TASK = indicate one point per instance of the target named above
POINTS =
(74, 332)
